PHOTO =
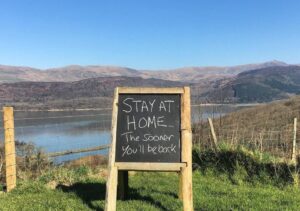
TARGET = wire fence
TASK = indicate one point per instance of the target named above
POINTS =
(55, 138)
(269, 135)
(62, 131)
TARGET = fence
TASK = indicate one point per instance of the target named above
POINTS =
(66, 135)
(43, 138)
(276, 137)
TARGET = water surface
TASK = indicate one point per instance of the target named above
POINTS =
(56, 131)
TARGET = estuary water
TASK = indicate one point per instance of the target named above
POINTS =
(56, 131)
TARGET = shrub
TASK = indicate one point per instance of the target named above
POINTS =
(65, 175)
(31, 161)
(241, 165)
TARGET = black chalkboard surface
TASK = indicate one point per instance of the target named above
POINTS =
(148, 128)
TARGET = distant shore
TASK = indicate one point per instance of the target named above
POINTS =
(103, 109)
(65, 109)
(230, 104)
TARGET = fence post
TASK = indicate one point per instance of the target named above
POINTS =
(294, 156)
(10, 152)
(261, 137)
(212, 130)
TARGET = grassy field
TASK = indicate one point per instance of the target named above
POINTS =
(83, 190)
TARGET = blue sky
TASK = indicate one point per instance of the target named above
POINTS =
(148, 34)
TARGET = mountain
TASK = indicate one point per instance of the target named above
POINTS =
(87, 93)
(77, 72)
(260, 85)
(204, 75)
(10, 74)
(208, 74)
(93, 85)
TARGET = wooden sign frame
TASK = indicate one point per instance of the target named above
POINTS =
(118, 171)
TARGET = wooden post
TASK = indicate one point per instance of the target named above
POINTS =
(294, 156)
(112, 181)
(213, 133)
(10, 152)
(186, 185)
(261, 136)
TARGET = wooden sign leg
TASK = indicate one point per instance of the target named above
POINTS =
(112, 180)
(186, 186)
(180, 186)
(111, 190)
(122, 185)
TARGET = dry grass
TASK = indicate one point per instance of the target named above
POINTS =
(265, 128)
(92, 161)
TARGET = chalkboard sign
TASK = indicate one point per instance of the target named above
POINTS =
(148, 128)
(151, 131)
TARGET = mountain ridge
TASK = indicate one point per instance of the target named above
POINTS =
(253, 86)
(10, 74)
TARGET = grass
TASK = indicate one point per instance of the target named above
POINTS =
(151, 191)
(227, 179)
(243, 165)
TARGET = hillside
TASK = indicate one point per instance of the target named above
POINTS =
(265, 128)
(275, 115)
(203, 75)
(260, 85)
(88, 93)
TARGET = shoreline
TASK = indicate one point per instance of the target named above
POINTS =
(60, 110)
(108, 109)
(230, 104)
